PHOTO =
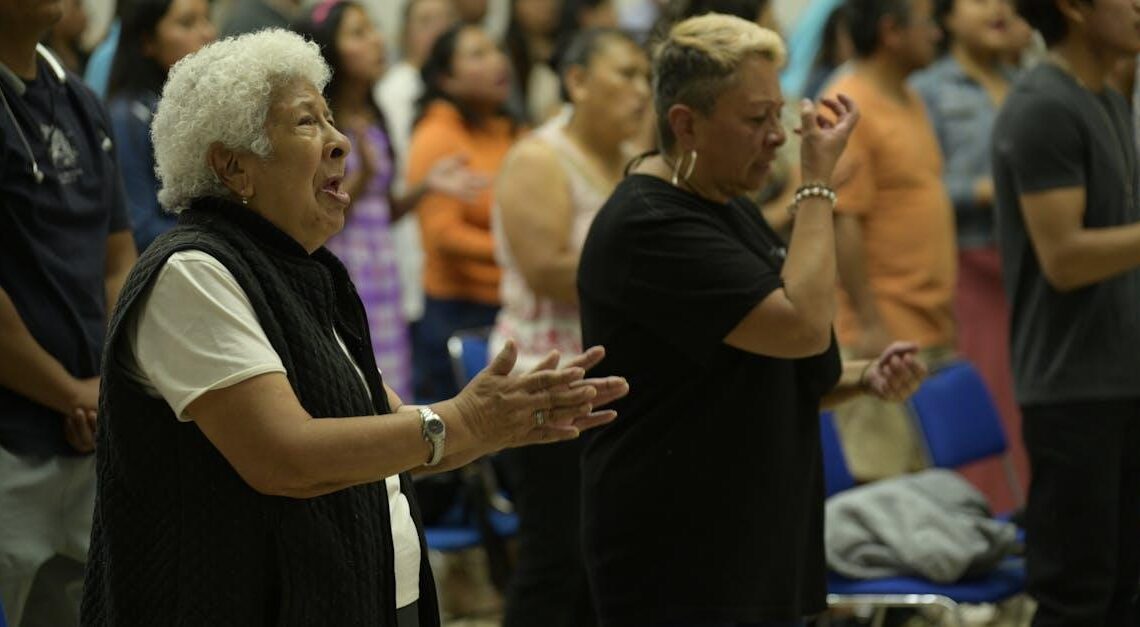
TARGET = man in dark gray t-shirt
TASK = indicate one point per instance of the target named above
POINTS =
(1066, 180)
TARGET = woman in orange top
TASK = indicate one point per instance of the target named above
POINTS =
(466, 84)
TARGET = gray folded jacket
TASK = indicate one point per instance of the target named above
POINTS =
(931, 524)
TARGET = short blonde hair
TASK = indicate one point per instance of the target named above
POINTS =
(699, 60)
(222, 94)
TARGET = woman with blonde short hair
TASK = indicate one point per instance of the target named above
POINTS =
(704, 505)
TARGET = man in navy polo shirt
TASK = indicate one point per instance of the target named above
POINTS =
(65, 249)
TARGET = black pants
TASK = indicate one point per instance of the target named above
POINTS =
(549, 587)
(1083, 516)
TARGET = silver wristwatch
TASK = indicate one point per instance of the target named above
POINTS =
(435, 432)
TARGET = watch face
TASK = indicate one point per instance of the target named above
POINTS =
(435, 427)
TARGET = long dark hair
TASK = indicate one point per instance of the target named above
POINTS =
(132, 72)
(320, 26)
(518, 47)
(439, 64)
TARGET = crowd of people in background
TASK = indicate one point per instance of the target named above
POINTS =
(573, 178)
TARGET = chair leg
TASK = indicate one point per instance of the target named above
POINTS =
(880, 616)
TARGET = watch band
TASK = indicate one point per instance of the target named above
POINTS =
(435, 433)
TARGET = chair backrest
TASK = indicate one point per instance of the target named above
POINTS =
(836, 477)
(957, 417)
(468, 350)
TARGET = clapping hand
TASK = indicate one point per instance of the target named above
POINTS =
(896, 374)
(548, 404)
(608, 390)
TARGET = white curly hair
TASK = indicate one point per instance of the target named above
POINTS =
(222, 94)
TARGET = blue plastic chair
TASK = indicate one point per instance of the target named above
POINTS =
(836, 477)
(468, 350)
(959, 422)
(997, 586)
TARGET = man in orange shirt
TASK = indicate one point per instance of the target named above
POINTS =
(894, 224)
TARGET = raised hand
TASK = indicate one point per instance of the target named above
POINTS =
(896, 374)
(824, 137)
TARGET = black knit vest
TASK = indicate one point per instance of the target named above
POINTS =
(179, 539)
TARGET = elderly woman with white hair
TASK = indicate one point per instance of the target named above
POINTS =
(253, 469)
(714, 472)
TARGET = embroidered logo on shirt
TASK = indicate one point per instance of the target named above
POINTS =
(64, 156)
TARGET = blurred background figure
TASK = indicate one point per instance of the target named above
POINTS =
(1023, 47)
(462, 111)
(397, 93)
(247, 16)
(354, 49)
(963, 92)
(155, 35)
(64, 38)
(573, 167)
(836, 50)
(582, 15)
(532, 35)
(472, 11)
(894, 225)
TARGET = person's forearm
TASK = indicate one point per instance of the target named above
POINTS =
(333, 454)
(853, 271)
(26, 368)
(113, 285)
(121, 257)
(1090, 256)
(452, 461)
(405, 203)
(809, 270)
(850, 383)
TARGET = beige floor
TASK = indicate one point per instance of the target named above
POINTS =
(468, 600)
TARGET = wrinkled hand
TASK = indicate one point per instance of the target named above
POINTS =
(80, 423)
(450, 176)
(498, 408)
(896, 374)
(609, 389)
(823, 138)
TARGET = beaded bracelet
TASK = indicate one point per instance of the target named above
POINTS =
(811, 190)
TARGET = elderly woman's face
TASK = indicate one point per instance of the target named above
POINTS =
(298, 186)
(737, 142)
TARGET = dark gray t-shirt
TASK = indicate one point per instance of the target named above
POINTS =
(1052, 133)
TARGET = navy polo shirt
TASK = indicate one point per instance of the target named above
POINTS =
(53, 235)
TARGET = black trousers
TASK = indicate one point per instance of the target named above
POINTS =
(1083, 515)
(549, 587)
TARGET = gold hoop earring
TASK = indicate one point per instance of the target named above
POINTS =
(691, 158)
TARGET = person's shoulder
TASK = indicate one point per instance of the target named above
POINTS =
(534, 152)
(848, 83)
(929, 79)
(1039, 97)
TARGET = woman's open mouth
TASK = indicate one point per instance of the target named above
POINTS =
(332, 188)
